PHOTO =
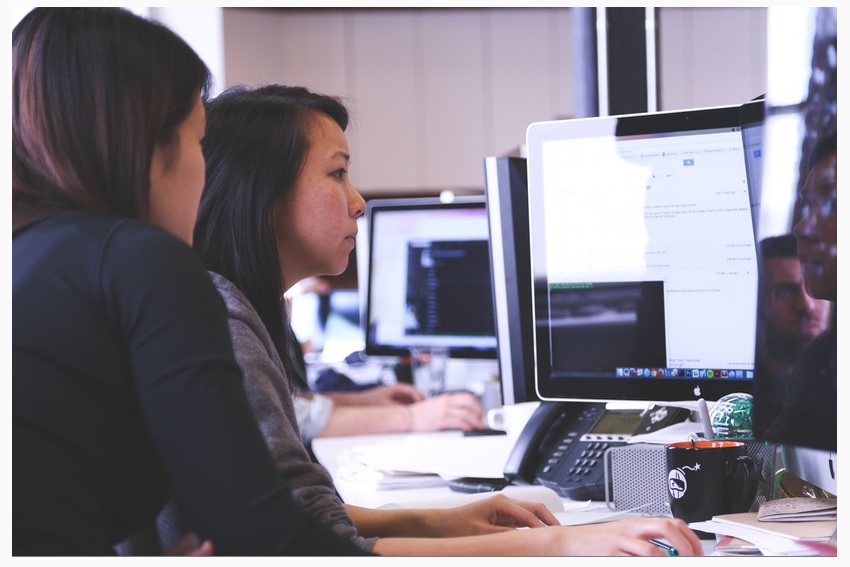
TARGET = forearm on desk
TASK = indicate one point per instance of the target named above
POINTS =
(513, 542)
(395, 523)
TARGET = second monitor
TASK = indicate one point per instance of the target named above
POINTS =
(428, 280)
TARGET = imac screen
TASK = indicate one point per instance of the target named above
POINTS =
(429, 277)
(643, 257)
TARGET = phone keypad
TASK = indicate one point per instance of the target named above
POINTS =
(573, 466)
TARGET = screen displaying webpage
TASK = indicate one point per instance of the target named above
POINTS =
(650, 256)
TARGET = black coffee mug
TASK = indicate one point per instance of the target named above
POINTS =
(709, 478)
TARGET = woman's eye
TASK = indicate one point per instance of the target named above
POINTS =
(340, 173)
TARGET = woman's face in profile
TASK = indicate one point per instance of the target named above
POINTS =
(316, 225)
(177, 177)
(817, 229)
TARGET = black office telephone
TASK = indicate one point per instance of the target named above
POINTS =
(563, 444)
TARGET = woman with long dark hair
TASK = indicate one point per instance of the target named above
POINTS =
(125, 388)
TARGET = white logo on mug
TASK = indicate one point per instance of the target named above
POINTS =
(677, 481)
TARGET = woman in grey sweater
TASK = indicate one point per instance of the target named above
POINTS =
(278, 207)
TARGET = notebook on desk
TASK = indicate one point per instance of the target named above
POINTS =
(772, 538)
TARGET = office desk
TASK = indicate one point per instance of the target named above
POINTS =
(335, 451)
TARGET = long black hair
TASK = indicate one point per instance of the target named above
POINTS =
(255, 145)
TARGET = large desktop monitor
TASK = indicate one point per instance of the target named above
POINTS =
(643, 257)
(795, 399)
(429, 279)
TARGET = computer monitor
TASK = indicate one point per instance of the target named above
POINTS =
(429, 280)
(506, 191)
(795, 400)
(643, 257)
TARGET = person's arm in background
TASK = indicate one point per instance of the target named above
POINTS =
(389, 408)
(456, 410)
(319, 415)
(398, 393)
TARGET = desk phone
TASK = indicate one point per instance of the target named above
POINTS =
(563, 444)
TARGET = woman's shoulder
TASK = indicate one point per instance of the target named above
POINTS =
(248, 334)
(244, 319)
(235, 301)
(104, 244)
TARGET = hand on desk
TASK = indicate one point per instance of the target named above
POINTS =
(496, 514)
(454, 410)
(625, 537)
(631, 537)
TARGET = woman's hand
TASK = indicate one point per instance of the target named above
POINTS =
(490, 515)
(631, 537)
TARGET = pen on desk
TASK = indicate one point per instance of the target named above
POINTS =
(708, 431)
(671, 551)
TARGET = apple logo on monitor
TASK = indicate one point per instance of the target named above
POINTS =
(697, 391)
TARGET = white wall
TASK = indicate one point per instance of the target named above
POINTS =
(435, 90)
(432, 91)
(711, 56)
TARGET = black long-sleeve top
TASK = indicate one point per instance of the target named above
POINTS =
(125, 389)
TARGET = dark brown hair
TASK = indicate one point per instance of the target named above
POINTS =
(94, 91)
